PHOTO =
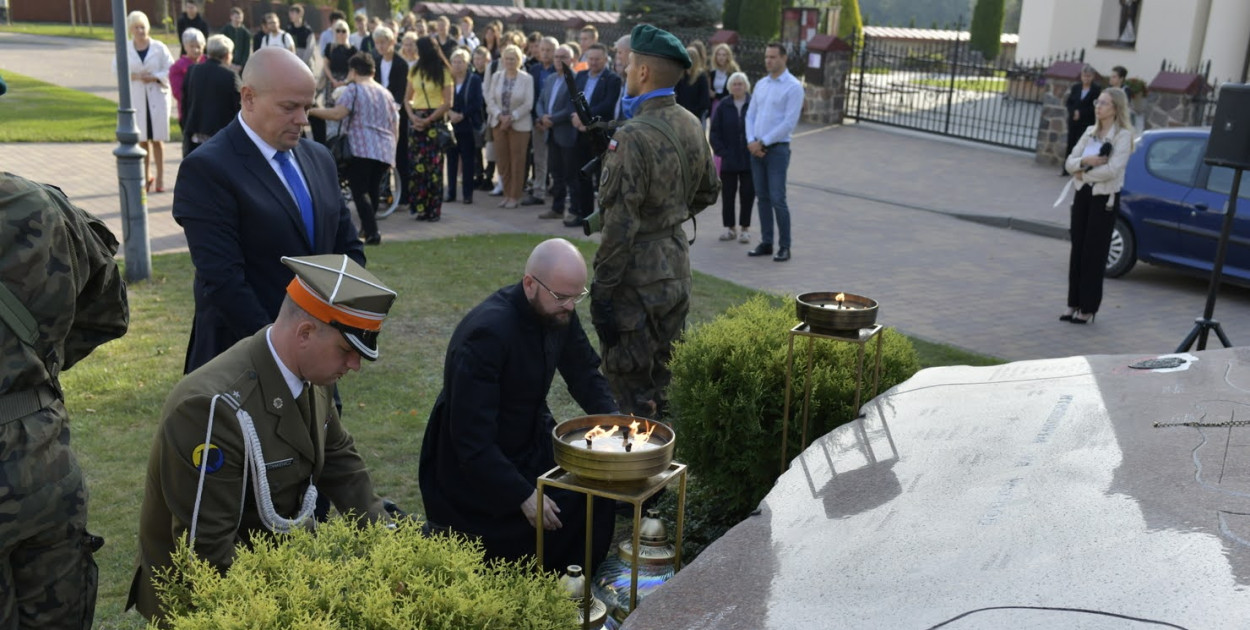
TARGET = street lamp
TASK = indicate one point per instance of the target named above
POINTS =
(130, 155)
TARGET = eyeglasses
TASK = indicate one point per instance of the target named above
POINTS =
(340, 30)
(562, 300)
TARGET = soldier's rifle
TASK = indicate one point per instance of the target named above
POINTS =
(599, 139)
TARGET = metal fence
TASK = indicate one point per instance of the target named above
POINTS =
(943, 87)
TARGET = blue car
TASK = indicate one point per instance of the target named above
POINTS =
(1172, 208)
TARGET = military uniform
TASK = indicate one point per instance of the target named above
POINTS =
(261, 437)
(641, 288)
(57, 261)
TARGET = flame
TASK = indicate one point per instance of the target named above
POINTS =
(599, 432)
(840, 297)
(641, 437)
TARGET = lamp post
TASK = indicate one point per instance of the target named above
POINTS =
(130, 155)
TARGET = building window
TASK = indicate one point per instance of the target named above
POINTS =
(1118, 26)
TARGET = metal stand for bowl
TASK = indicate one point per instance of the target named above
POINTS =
(632, 492)
(861, 337)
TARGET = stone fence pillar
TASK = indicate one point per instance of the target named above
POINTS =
(1174, 100)
(825, 90)
(1052, 128)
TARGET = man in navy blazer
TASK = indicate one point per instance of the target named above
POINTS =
(554, 110)
(605, 89)
(241, 214)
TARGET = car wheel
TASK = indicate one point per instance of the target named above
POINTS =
(1123, 253)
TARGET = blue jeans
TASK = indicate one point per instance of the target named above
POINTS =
(769, 175)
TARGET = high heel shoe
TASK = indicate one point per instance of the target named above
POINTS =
(1076, 319)
(151, 180)
(1067, 317)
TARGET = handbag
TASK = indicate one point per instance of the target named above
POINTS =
(339, 144)
(444, 139)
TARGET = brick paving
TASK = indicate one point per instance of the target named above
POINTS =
(875, 212)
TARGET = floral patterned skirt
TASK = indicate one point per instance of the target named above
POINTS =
(426, 185)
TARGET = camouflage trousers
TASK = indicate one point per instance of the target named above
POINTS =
(650, 319)
(47, 573)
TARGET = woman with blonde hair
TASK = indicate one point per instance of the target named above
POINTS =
(149, 62)
(692, 90)
(719, 70)
(1097, 163)
(509, 102)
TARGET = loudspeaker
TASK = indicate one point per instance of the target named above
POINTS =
(1230, 133)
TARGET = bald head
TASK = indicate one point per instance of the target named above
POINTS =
(277, 91)
(557, 258)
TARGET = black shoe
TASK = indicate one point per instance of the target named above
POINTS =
(531, 200)
(1076, 319)
(432, 218)
(1067, 317)
(449, 198)
(375, 239)
(763, 249)
(573, 223)
(783, 254)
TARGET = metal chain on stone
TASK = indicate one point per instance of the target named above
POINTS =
(1199, 423)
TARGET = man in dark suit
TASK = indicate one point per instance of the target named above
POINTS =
(1080, 106)
(393, 75)
(255, 192)
(554, 109)
(489, 435)
(602, 88)
(211, 94)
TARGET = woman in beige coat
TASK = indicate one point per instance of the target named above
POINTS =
(149, 62)
(509, 101)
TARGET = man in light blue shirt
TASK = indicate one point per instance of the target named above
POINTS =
(774, 112)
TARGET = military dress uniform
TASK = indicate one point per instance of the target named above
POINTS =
(238, 454)
(63, 298)
(641, 289)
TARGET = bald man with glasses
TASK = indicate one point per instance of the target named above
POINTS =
(489, 435)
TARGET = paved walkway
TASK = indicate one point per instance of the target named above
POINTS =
(876, 212)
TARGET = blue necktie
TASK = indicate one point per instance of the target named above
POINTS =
(301, 194)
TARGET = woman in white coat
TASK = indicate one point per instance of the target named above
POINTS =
(149, 62)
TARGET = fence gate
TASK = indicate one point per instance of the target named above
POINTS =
(939, 86)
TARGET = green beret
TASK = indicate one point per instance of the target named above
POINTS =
(649, 40)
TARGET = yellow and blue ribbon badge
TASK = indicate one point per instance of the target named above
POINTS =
(215, 457)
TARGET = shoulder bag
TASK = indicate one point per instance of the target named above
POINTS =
(444, 139)
(340, 145)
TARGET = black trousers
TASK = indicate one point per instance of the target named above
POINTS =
(464, 154)
(741, 185)
(364, 177)
(1092, 223)
(559, 163)
(581, 186)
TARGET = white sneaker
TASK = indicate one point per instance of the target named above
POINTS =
(744, 237)
(498, 190)
(729, 235)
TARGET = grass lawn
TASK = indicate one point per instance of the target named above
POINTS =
(974, 84)
(102, 32)
(34, 111)
(115, 395)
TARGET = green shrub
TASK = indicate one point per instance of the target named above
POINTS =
(728, 393)
(985, 34)
(851, 24)
(760, 19)
(371, 577)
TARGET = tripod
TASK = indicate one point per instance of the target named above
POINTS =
(1204, 325)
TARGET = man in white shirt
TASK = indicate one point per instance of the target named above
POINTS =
(774, 112)
(273, 35)
(467, 38)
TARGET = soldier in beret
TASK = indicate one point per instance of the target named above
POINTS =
(247, 441)
(657, 172)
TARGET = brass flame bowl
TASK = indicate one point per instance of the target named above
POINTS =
(819, 311)
(615, 465)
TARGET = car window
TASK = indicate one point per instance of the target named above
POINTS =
(1221, 181)
(1175, 159)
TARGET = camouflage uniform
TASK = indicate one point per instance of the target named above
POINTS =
(58, 261)
(641, 288)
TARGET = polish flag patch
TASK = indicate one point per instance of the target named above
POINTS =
(612, 145)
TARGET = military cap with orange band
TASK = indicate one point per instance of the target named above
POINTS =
(334, 289)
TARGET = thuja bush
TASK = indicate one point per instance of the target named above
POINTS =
(728, 393)
(344, 576)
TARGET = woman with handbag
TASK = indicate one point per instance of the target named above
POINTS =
(371, 126)
(1097, 163)
(427, 101)
(509, 101)
(466, 117)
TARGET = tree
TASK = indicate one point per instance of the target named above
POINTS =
(669, 14)
(985, 34)
(760, 18)
(729, 17)
(850, 24)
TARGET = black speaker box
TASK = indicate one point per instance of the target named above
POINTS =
(1230, 133)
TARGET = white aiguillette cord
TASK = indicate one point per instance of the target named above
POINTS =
(255, 461)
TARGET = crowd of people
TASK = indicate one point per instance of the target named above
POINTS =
(480, 110)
